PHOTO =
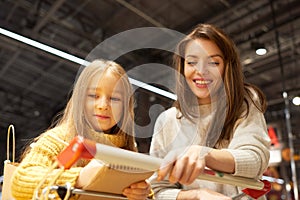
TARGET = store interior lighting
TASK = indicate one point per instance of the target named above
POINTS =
(296, 101)
(78, 60)
(260, 48)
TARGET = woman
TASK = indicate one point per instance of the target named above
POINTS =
(217, 122)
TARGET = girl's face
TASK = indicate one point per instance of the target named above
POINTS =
(203, 68)
(104, 102)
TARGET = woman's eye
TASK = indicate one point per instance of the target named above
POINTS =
(192, 63)
(213, 63)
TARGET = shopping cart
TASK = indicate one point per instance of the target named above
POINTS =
(87, 149)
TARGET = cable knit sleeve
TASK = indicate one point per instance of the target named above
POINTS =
(163, 132)
(250, 144)
(35, 166)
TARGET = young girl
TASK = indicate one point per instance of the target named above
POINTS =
(218, 121)
(100, 109)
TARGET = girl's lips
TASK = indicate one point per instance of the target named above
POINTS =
(102, 116)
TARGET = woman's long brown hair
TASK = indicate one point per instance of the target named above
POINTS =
(237, 90)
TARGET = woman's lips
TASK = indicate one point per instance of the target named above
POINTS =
(202, 83)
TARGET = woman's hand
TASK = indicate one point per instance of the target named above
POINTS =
(201, 194)
(138, 191)
(184, 165)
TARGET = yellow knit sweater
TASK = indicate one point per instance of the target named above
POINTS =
(36, 163)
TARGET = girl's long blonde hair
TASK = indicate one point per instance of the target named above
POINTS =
(73, 117)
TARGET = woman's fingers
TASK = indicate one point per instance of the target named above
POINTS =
(163, 171)
(184, 165)
(167, 164)
(186, 170)
(198, 169)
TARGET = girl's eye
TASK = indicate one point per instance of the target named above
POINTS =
(115, 99)
(93, 96)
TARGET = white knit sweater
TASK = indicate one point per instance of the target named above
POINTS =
(249, 146)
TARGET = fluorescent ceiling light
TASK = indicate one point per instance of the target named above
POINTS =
(153, 89)
(78, 60)
(42, 46)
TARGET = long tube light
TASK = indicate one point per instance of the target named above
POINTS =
(152, 88)
(78, 60)
(42, 46)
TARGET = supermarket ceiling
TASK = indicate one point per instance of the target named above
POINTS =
(35, 85)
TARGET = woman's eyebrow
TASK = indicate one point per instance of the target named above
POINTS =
(216, 55)
(191, 56)
(209, 56)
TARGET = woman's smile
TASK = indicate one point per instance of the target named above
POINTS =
(202, 83)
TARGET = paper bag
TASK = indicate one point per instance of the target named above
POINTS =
(9, 166)
(113, 181)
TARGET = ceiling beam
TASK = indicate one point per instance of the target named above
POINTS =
(48, 16)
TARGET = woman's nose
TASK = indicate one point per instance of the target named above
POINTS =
(201, 68)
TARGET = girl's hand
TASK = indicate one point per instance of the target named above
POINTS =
(184, 165)
(89, 170)
(201, 194)
(138, 191)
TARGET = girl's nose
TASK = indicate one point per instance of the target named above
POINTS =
(102, 103)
